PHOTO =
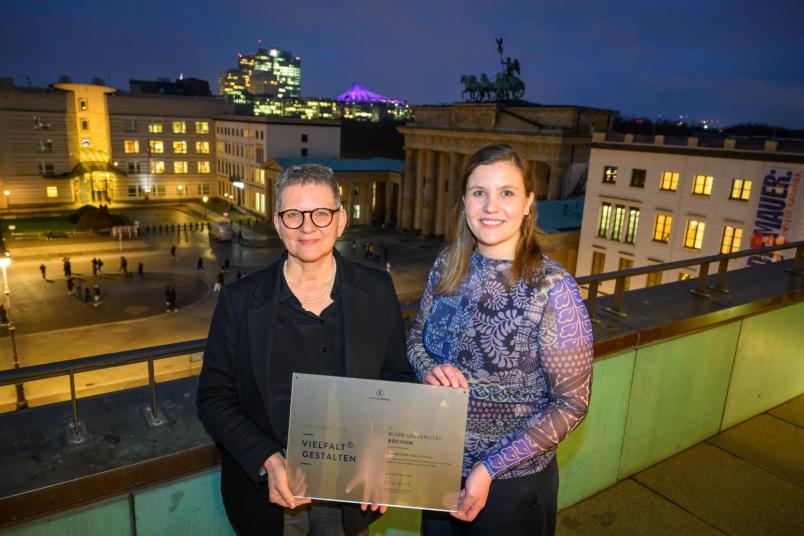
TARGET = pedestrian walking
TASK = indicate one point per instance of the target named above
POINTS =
(173, 251)
(124, 266)
(140, 269)
(79, 285)
(199, 267)
(100, 266)
(43, 270)
(218, 283)
(94, 266)
(70, 285)
(3, 315)
(68, 268)
(87, 296)
(96, 299)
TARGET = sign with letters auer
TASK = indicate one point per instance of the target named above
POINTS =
(397, 444)
(776, 211)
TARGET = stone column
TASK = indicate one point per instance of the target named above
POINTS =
(408, 194)
(429, 193)
(389, 200)
(442, 200)
(421, 166)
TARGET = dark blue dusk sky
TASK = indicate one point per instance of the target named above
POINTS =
(710, 59)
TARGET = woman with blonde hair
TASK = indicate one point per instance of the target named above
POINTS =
(500, 318)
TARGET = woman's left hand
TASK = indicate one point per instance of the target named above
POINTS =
(474, 494)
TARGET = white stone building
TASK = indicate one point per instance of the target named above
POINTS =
(651, 200)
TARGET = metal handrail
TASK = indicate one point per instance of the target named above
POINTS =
(703, 263)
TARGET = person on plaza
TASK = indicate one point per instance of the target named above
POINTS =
(3, 315)
(388, 266)
(281, 320)
(96, 295)
(141, 269)
(225, 265)
(100, 265)
(123, 266)
(218, 282)
(70, 285)
(507, 322)
(168, 298)
(173, 299)
(68, 267)
(94, 266)
(173, 251)
(199, 266)
(87, 296)
(43, 271)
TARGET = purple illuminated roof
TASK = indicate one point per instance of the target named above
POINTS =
(358, 93)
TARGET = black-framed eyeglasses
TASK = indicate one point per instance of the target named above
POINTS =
(321, 217)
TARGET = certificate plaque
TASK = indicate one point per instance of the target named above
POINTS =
(397, 444)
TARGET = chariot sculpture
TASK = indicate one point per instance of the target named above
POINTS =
(505, 86)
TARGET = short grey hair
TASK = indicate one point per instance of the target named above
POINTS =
(302, 174)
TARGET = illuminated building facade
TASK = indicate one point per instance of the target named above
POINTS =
(75, 144)
(269, 72)
(657, 199)
(245, 143)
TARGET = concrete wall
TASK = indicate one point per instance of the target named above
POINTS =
(648, 403)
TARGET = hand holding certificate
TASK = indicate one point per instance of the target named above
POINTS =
(368, 441)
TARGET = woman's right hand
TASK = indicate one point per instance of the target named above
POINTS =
(446, 375)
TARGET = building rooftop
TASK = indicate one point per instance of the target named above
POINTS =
(348, 164)
(560, 215)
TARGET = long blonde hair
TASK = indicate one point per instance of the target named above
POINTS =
(528, 254)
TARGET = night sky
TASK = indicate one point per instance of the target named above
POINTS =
(736, 61)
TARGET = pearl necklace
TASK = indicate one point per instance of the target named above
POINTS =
(318, 298)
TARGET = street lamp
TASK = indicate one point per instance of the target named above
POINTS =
(205, 199)
(180, 188)
(5, 262)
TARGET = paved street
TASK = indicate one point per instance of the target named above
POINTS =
(53, 325)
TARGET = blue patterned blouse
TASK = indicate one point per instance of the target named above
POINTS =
(526, 353)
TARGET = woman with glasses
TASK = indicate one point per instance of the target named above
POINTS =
(314, 312)
(499, 317)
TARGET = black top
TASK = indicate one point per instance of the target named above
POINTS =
(304, 343)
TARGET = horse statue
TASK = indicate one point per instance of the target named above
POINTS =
(506, 85)
(470, 86)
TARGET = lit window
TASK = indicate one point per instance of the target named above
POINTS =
(157, 166)
(52, 191)
(179, 127)
(661, 230)
(610, 174)
(702, 185)
(670, 181)
(155, 128)
(83, 104)
(202, 147)
(731, 239)
(203, 166)
(598, 262)
(131, 146)
(84, 124)
(693, 237)
(157, 146)
(638, 178)
(179, 166)
(633, 225)
(654, 278)
(740, 189)
(619, 219)
(180, 147)
(603, 220)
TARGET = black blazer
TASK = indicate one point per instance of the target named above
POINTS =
(234, 383)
